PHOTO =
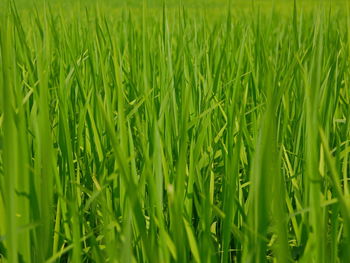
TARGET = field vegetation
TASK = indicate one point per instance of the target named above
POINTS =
(174, 132)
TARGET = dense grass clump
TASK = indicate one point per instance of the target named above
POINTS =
(174, 134)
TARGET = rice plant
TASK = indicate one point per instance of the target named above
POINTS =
(160, 131)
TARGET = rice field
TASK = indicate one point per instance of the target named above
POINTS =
(165, 131)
